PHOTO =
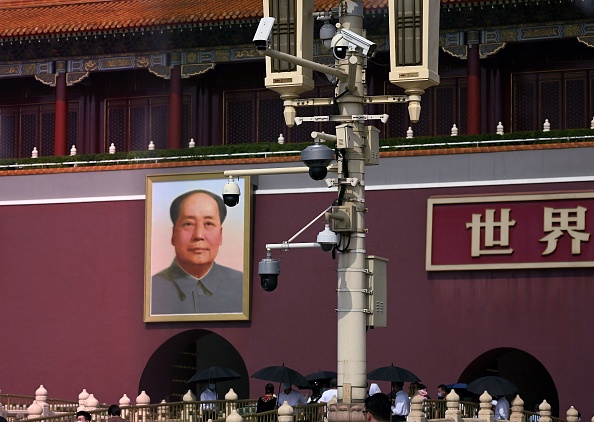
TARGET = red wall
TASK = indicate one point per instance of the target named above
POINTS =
(72, 295)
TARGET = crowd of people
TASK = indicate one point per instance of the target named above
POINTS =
(380, 407)
(399, 400)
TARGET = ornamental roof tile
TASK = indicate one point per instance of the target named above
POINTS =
(26, 18)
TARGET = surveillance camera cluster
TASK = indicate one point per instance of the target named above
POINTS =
(344, 41)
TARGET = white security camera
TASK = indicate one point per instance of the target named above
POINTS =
(355, 41)
(339, 46)
(269, 269)
(317, 157)
(327, 238)
(231, 193)
(263, 33)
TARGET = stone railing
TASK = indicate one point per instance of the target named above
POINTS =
(457, 411)
(189, 410)
(231, 409)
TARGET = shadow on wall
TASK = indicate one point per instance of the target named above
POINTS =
(169, 368)
(534, 382)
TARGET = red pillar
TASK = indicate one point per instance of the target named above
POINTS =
(473, 93)
(175, 109)
(61, 122)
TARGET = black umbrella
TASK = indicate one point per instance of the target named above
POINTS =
(215, 374)
(281, 374)
(457, 386)
(393, 374)
(321, 376)
(495, 386)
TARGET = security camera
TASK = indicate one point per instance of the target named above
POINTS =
(339, 46)
(326, 238)
(231, 193)
(269, 269)
(263, 33)
(317, 157)
(354, 42)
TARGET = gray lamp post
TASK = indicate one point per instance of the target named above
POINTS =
(285, 37)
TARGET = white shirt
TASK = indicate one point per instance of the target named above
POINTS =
(502, 409)
(401, 404)
(328, 395)
(294, 398)
(208, 395)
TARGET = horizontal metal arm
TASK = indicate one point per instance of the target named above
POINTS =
(305, 63)
(285, 246)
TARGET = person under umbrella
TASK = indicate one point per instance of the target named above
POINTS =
(292, 397)
(268, 401)
(401, 407)
(209, 394)
(330, 393)
(502, 409)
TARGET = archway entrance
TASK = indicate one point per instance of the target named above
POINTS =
(167, 372)
(534, 382)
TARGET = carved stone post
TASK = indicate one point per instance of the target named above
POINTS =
(234, 417)
(230, 403)
(572, 415)
(125, 406)
(143, 400)
(453, 406)
(517, 410)
(486, 411)
(545, 412)
(416, 410)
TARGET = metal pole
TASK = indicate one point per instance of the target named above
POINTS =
(352, 321)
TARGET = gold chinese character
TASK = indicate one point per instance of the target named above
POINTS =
(487, 231)
(569, 220)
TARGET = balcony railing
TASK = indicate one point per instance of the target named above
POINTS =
(41, 409)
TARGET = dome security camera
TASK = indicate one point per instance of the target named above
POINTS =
(317, 157)
(269, 269)
(339, 46)
(326, 238)
(231, 193)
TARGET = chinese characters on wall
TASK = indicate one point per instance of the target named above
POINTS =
(510, 231)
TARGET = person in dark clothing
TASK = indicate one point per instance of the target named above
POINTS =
(267, 401)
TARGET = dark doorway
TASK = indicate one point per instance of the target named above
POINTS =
(532, 379)
(166, 373)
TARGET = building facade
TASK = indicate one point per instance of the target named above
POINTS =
(117, 76)
(73, 279)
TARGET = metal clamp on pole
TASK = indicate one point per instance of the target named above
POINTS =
(362, 310)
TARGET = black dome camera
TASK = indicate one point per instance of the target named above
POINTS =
(317, 157)
(269, 269)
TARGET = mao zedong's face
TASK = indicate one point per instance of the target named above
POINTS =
(197, 234)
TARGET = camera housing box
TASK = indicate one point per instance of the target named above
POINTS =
(371, 150)
(378, 299)
(348, 222)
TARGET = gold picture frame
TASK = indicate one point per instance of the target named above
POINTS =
(177, 253)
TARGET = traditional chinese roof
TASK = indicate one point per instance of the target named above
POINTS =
(49, 18)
